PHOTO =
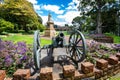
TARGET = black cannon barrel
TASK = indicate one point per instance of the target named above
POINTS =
(60, 35)
(59, 39)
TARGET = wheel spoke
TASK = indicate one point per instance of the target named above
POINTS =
(72, 40)
(80, 46)
(76, 38)
(77, 46)
(78, 54)
(71, 50)
(79, 51)
(78, 41)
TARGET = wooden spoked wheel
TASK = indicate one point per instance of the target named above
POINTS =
(77, 48)
(36, 49)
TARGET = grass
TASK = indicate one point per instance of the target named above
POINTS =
(116, 38)
(25, 38)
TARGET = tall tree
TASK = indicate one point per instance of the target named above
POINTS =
(20, 12)
(88, 6)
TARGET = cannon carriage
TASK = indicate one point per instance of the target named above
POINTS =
(76, 46)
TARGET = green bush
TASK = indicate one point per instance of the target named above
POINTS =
(5, 25)
(41, 27)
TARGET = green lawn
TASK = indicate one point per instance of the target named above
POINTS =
(116, 38)
(26, 38)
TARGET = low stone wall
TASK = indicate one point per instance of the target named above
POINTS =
(102, 70)
(105, 39)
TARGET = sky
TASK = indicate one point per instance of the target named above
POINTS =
(62, 11)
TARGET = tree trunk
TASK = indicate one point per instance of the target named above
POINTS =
(99, 23)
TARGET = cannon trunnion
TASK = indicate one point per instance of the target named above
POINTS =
(76, 47)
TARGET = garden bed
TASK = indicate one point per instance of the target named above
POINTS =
(104, 39)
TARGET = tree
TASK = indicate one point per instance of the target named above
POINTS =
(94, 6)
(5, 25)
(20, 12)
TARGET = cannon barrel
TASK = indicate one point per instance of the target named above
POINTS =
(59, 40)
(60, 36)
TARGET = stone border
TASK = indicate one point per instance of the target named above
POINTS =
(103, 69)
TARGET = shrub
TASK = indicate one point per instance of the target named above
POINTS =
(93, 46)
(14, 56)
(116, 47)
(5, 25)
(41, 27)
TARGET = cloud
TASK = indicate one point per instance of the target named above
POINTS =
(68, 16)
(73, 5)
(33, 1)
(44, 18)
(62, 5)
(63, 16)
(35, 5)
(53, 8)
(71, 12)
(59, 23)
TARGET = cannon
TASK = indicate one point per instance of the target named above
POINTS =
(76, 46)
(59, 40)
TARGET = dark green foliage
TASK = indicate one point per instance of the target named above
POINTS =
(41, 27)
(21, 13)
(101, 15)
(5, 25)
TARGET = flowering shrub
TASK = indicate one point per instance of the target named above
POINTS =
(97, 35)
(93, 45)
(14, 56)
(116, 47)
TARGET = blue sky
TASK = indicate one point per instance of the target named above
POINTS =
(62, 11)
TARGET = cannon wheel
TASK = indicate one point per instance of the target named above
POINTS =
(36, 49)
(77, 48)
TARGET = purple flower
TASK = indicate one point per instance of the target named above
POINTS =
(23, 58)
(21, 50)
(17, 53)
(117, 45)
(22, 44)
(8, 61)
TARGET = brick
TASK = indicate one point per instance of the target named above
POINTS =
(8, 78)
(57, 76)
(46, 73)
(119, 64)
(104, 77)
(34, 77)
(79, 75)
(89, 75)
(2, 74)
(98, 73)
(118, 55)
(105, 71)
(101, 64)
(87, 67)
(113, 60)
(21, 74)
(68, 70)
(115, 72)
(110, 70)
(116, 67)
